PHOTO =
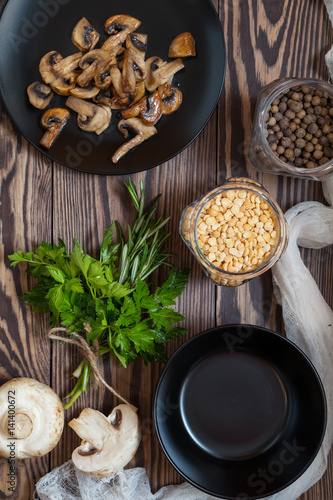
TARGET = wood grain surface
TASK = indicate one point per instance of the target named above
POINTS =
(41, 200)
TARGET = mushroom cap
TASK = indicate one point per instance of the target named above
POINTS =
(108, 443)
(84, 36)
(53, 120)
(31, 418)
(39, 94)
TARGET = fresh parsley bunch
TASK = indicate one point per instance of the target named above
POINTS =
(109, 301)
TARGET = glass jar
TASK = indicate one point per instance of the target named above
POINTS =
(260, 152)
(227, 240)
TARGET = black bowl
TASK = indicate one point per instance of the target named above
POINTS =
(240, 412)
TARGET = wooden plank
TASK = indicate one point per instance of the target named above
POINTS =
(25, 213)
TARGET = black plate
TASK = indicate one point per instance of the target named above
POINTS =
(240, 412)
(30, 28)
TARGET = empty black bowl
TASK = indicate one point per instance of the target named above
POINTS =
(240, 411)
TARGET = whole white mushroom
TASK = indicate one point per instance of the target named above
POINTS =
(31, 418)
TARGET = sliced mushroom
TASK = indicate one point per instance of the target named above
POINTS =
(46, 65)
(141, 133)
(183, 45)
(91, 117)
(172, 98)
(134, 109)
(118, 27)
(153, 111)
(38, 419)
(64, 84)
(149, 109)
(53, 66)
(138, 42)
(87, 92)
(158, 73)
(104, 97)
(108, 443)
(39, 94)
(84, 35)
(53, 120)
(117, 81)
(139, 93)
(133, 71)
(103, 78)
(66, 65)
(92, 63)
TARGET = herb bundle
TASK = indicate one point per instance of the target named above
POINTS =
(109, 300)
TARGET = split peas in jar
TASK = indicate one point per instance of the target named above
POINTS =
(237, 231)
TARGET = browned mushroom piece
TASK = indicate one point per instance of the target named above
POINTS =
(39, 94)
(139, 93)
(103, 79)
(53, 120)
(46, 65)
(53, 66)
(172, 98)
(92, 63)
(66, 65)
(159, 72)
(133, 71)
(153, 111)
(141, 133)
(135, 109)
(91, 117)
(118, 27)
(137, 42)
(63, 85)
(87, 92)
(183, 45)
(84, 35)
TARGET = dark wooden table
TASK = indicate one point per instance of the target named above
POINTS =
(41, 200)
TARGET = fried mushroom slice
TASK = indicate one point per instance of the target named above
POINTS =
(53, 66)
(183, 45)
(103, 78)
(84, 35)
(149, 109)
(63, 85)
(53, 120)
(134, 70)
(141, 133)
(91, 117)
(159, 72)
(172, 98)
(137, 42)
(118, 27)
(92, 63)
(87, 92)
(46, 65)
(39, 95)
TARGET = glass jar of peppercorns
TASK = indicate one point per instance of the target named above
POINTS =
(236, 231)
(293, 128)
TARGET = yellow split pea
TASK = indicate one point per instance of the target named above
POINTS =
(237, 231)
